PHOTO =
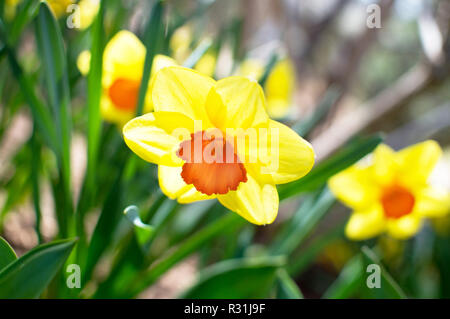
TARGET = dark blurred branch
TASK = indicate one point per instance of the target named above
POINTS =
(355, 121)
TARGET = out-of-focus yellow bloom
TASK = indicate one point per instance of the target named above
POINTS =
(279, 86)
(10, 8)
(182, 98)
(391, 194)
(59, 7)
(207, 64)
(180, 43)
(88, 12)
(123, 64)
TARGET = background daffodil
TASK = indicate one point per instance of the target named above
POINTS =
(123, 64)
(392, 193)
(279, 86)
(180, 96)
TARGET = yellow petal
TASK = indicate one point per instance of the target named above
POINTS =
(280, 86)
(155, 137)
(277, 108)
(178, 89)
(244, 101)
(384, 165)
(432, 202)
(354, 187)
(88, 12)
(257, 203)
(174, 187)
(366, 223)
(283, 156)
(123, 57)
(417, 162)
(112, 114)
(84, 62)
(404, 227)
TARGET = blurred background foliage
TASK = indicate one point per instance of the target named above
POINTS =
(71, 192)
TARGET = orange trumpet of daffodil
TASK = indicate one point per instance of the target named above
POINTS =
(225, 118)
(392, 193)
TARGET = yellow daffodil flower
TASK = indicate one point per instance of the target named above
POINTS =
(88, 12)
(180, 43)
(123, 64)
(392, 193)
(279, 86)
(10, 8)
(194, 111)
(206, 65)
(59, 7)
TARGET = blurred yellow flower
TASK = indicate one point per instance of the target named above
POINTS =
(123, 64)
(180, 43)
(279, 86)
(392, 193)
(206, 65)
(59, 7)
(215, 114)
(88, 12)
(10, 8)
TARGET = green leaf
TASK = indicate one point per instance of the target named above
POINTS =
(29, 275)
(349, 281)
(330, 98)
(286, 286)
(310, 213)
(304, 257)
(94, 90)
(388, 286)
(268, 68)
(25, 13)
(152, 41)
(143, 231)
(110, 216)
(7, 254)
(237, 278)
(53, 57)
(323, 171)
(189, 246)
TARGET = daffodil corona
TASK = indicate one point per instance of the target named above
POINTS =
(214, 139)
(392, 193)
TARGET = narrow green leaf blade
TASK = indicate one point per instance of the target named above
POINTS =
(286, 286)
(29, 275)
(323, 171)
(143, 231)
(237, 278)
(310, 213)
(7, 254)
(349, 281)
(389, 288)
(152, 41)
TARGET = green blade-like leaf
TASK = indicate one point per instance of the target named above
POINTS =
(303, 222)
(189, 246)
(152, 41)
(143, 231)
(286, 286)
(25, 14)
(237, 278)
(53, 57)
(7, 254)
(349, 281)
(323, 171)
(94, 90)
(29, 275)
(388, 286)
